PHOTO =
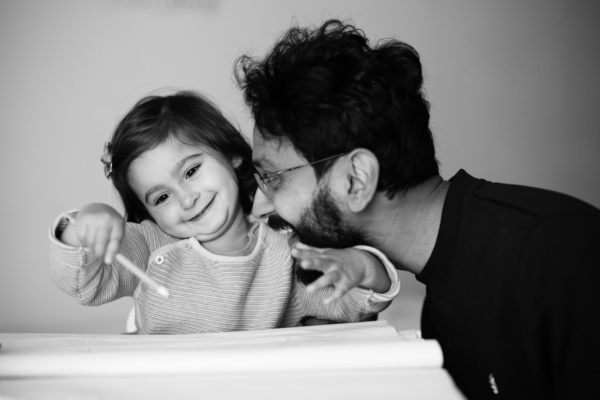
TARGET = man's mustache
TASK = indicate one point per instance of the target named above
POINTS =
(277, 223)
(305, 276)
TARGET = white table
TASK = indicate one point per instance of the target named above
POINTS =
(348, 361)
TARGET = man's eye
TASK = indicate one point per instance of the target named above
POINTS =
(161, 199)
(273, 182)
(190, 172)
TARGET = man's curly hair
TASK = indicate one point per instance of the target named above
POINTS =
(329, 91)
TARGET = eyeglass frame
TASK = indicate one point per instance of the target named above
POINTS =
(264, 180)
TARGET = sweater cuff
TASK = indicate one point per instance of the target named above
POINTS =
(392, 272)
(57, 228)
(64, 254)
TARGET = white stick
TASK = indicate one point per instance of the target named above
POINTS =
(124, 261)
(141, 274)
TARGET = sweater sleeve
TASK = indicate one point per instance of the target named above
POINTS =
(355, 306)
(83, 276)
(358, 303)
(392, 272)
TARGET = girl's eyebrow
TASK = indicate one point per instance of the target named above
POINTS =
(184, 161)
(178, 166)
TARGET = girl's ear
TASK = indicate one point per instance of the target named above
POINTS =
(362, 175)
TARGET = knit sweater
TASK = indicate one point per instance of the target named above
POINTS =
(246, 290)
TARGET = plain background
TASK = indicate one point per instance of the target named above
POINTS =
(514, 87)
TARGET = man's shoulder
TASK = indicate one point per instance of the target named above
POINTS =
(538, 202)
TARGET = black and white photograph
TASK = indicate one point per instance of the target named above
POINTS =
(278, 199)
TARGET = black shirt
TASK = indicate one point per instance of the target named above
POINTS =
(510, 291)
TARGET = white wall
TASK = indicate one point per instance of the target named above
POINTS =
(513, 84)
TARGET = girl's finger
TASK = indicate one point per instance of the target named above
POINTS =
(304, 254)
(311, 260)
(318, 264)
(101, 242)
(113, 247)
(302, 246)
(328, 279)
(340, 289)
(81, 234)
(90, 239)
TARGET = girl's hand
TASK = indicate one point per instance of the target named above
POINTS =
(345, 269)
(100, 228)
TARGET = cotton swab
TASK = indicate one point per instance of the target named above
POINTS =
(124, 261)
(142, 275)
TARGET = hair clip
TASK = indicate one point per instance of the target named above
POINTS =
(106, 159)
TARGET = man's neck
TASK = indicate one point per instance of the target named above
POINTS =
(406, 227)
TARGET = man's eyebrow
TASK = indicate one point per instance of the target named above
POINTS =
(262, 163)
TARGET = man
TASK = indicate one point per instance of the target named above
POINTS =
(344, 155)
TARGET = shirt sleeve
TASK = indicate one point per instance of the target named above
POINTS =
(83, 276)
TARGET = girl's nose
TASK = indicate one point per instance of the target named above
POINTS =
(262, 207)
(188, 199)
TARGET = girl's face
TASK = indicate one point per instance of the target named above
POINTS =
(188, 191)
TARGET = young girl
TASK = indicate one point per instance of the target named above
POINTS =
(185, 177)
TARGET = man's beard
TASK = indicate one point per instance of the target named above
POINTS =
(321, 225)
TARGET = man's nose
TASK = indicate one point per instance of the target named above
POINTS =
(262, 206)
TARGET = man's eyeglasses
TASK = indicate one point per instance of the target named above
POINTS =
(268, 181)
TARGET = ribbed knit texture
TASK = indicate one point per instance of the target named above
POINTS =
(251, 289)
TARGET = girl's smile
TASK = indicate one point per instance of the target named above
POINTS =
(202, 212)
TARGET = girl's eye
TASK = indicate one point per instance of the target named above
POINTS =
(190, 172)
(161, 199)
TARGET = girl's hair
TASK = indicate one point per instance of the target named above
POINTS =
(188, 117)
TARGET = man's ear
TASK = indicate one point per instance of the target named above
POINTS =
(362, 177)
